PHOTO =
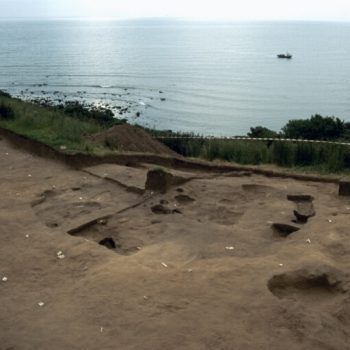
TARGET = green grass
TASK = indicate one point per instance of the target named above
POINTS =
(57, 128)
(51, 127)
(322, 158)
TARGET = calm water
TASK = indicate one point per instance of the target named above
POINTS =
(216, 78)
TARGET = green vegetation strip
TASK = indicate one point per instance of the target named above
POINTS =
(302, 156)
(250, 139)
(68, 127)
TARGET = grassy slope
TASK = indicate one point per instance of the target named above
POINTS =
(51, 127)
(57, 129)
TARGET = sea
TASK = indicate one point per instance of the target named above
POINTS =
(209, 78)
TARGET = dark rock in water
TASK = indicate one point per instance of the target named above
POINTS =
(344, 188)
(304, 211)
(108, 243)
(284, 230)
(300, 198)
(163, 99)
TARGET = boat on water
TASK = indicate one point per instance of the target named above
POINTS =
(285, 55)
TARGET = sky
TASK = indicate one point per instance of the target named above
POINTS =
(313, 10)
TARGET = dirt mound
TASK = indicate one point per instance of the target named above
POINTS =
(130, 138)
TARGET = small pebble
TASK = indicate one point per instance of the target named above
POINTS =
(145, 297)
(29, 175)
(81, 198)
(27, 236)
(229, 248)
(330, 221)
(41, 304)
(280, 265)
(4, 279)
(308, 241)
(101, 329)
(164, 264)
(60, 255)
(189, 270)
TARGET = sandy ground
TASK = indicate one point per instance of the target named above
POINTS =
(210, 274)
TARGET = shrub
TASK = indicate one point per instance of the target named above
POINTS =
(6, 112)
(315, 128)
(4, 94)
(262, 132)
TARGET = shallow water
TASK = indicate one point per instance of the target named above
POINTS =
(216, 78)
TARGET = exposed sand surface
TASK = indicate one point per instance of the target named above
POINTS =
(215, 261)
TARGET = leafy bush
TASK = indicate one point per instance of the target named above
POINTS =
(262, 132)
(6, 112)
(4, 94)
(315, 128)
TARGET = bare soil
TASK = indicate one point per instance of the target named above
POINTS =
(130, 138)
(85, 263)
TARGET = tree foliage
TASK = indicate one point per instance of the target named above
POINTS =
(315, 128)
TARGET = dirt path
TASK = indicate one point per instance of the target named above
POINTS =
(199, 267)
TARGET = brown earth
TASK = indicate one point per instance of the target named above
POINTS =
(197, 267)
(130, 138)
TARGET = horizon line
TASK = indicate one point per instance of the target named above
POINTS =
(169, 18)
